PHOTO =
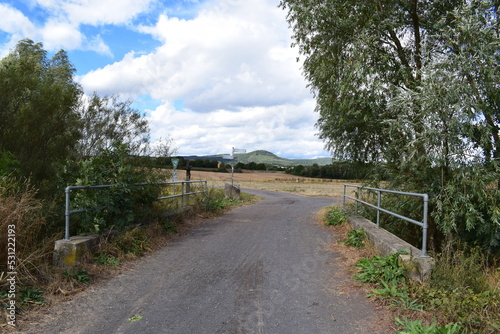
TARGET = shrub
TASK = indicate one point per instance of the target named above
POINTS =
(123, 204)
(356, 238)
(335, 217)
(379, 269)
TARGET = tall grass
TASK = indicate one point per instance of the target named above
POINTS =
(20, 207)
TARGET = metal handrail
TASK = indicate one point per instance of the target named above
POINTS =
(68, 212)
(378, 207)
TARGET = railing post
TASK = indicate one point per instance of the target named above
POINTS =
(182, 197)
(378, 208)
(343, 204)
(66, 215)
(357, 198)
(424, 227)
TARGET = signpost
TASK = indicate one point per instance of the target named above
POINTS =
(175, 163)
(233, 161)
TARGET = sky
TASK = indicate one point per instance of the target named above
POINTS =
(209, 75)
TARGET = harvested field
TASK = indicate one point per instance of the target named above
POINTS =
(276, 181)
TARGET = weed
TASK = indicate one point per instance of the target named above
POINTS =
(215, 201)
(168, 226)
(134, 241)
(379, 269)
(417, 327)
(458, 269)
(80, 275)
(356, 238)
(335, 217)
(107, 260)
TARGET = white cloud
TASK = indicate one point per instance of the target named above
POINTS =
(64, 19)
(98, 12)
(14, 21)
(57, 35)
(231, 55)
(16, 24)
(285, 129)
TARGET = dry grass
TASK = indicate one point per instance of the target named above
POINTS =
(276, 181)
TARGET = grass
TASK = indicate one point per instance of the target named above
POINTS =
(277, 181)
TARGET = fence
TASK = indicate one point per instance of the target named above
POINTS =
(185, 191)
(379, 209)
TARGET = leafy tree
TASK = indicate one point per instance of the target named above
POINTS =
(37, 98)
(107, 120)
(415, 85)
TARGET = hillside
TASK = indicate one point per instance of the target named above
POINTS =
(265, 157)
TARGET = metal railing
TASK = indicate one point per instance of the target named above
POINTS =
(185, 191)
(379, 209)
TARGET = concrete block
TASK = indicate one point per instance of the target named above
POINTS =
(417, 268)
(231, 191)
(68, 253)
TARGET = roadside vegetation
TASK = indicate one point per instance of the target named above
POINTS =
(461, 296)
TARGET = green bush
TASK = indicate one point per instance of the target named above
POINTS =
(379, 269)
(122, 204)
(335, 217)
(356, 238)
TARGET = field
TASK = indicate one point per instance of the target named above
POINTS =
(277, 181)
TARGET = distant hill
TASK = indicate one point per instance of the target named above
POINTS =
(265, 157)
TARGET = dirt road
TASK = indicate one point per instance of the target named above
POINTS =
(262, 268)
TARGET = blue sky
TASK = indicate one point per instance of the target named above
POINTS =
(210, 75)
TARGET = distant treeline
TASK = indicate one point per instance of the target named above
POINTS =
(336, 170)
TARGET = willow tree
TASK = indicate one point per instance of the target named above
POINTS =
(415, 85)
(39, 123)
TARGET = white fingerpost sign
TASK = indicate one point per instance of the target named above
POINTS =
(175, 163)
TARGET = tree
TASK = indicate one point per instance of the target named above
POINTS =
(415, 85)
(106, 121)
(37, 106)
(357, 54)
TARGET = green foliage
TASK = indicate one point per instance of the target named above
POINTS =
(107, 260)
(460, 269)
(379, 269)
(398, 296)
(416, 327)
(122, 203)
(8, 163)
(356, 238)
(478, 312)
(37, 108)
(457, 292)
(31, 295)
(336, 170)
(336, 217)
(134, 241)
(216, 201)
(425, 75)
(169, 226)
(106, 121)
(79, 275)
